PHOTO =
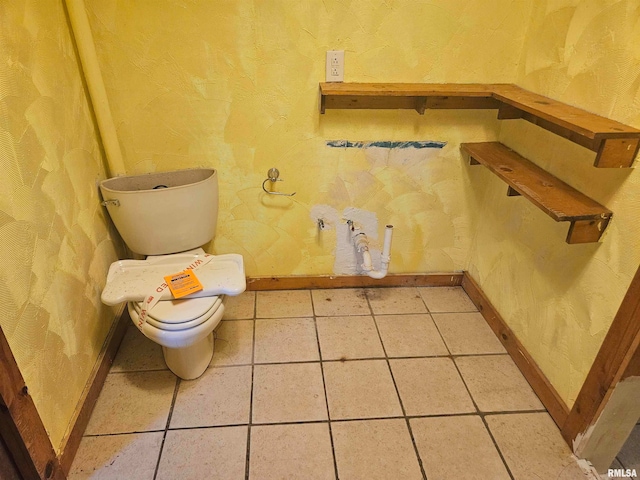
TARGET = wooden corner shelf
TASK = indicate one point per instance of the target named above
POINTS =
(554, 197)
(616, 144)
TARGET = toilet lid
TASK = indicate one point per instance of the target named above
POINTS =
(133, 280)
(179, 311)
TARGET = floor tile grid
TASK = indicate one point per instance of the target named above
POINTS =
(253, 352)
(407, 418)
(166, 428)
(482, 415)
(478, 412)
(404, 412)
(404, 416)
(329, 421)
(326, 400)
(175, 395)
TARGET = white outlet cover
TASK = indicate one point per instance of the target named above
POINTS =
(335, 66)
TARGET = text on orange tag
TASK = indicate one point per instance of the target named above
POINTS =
(183, 283)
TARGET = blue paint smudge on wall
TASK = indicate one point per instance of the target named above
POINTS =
(385, 144)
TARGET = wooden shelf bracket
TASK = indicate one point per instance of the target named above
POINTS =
(588, 219)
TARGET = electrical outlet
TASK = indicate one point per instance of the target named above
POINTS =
(335, 66)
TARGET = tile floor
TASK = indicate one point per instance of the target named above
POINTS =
(385, 383)
(629, 456)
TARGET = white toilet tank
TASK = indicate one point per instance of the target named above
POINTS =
(161, 213)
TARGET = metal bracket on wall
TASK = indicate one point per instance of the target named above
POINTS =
(273, 175)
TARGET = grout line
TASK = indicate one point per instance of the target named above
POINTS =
(326, 399)
(486, 425)
(446, 345)
(253, 352)
(456, 312)
(424, 302)
(166, 428)
(620, 462)
(333, 360)
(404, 412)
(135, 432)
(336, 420)
(140, 371)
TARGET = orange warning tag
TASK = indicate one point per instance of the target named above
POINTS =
(183, 283)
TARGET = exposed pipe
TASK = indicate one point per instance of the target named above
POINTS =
(361, 243)
(95, 84)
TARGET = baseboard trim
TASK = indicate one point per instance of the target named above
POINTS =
(531, 371)
(354, 281)
(92, 390)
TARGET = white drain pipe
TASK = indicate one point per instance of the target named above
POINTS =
(361, 243)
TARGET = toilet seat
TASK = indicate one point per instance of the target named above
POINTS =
(183, 337)
(172, 315)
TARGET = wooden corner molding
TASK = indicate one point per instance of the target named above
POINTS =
(617, 359)
(21, 427)
(529, 368)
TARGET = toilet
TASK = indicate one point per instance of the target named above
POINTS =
(167, 217)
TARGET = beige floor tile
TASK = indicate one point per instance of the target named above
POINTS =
(360, 389)
(138, 353)
(630, 453)
(430, 386)
(240, 307)
(533, 447)
(374, 449)
(221, 396)
(291, 452)
(447, 299)
(283, 304)
(467, 333)
(410, 335)
(340, 302)
(286, 340)
(288, 393)
(133, 402)
(457, 448)
(211, 453)
(348, 337)
(392, 301)
(114, 457)
(496, 384)
(234, 343)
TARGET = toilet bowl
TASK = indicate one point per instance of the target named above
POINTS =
(158, 215)
(184, 329)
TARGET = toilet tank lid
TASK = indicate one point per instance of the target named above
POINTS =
(133, 280)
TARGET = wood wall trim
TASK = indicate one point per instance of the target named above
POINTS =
(529, 368)
(617, 357)
(20, 424)
(92, 390)
(354, 281)
(7, 465)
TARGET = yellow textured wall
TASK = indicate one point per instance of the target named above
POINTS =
(234, 85)
(561, 299)
(55, 246)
